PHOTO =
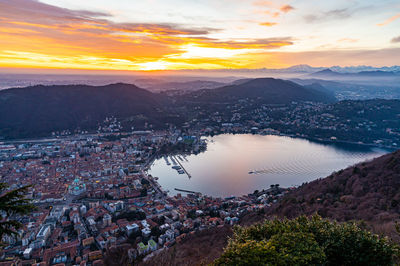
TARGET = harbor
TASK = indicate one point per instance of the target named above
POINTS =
(183, 168)
(260, 162)
(177, 165)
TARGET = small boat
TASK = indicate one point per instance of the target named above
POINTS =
(173, 161)
(251, 172)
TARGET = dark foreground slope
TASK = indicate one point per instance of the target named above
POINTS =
(39, 110)
(198, 249)
(369, 191)
(264, 90)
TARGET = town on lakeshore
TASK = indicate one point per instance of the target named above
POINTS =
(92, 192)
(225, 132)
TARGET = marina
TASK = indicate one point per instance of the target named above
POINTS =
(183, 170)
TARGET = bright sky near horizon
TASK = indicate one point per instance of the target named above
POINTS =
(194, 34)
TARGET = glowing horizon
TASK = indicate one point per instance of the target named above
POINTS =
(175, 34)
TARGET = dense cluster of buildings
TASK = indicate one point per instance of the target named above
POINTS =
(374, 122)
(93, 192)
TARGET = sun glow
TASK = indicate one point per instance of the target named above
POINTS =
(195, 51)
(157, 65)
(248, 34)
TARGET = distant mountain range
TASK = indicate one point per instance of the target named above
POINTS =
(39, 110)
(181, 79)
(355, 69)
(328, 73)
(299, 69)
(264, 90)
(350, 69)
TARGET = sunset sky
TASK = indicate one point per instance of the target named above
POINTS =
(197, 34)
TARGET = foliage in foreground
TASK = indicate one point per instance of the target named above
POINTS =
(12, 203)
(307, 241)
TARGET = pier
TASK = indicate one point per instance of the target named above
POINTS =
(187, 191)
(183, 168)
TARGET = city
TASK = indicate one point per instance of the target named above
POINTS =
(92, 194)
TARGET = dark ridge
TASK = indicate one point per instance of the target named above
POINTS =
(265, 90)
(38, 110)
(200, 248)
(328, 73)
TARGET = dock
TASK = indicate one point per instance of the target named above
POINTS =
(183, 168)
(187, 191)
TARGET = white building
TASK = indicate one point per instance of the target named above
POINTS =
(130, 228)
(27, 253)
(44, 233)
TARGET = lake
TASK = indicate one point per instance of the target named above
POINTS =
(239, 164)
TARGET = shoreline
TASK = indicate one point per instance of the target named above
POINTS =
(320, 142)
(317, 140)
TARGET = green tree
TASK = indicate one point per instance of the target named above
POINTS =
(13, 202)
(307, 241)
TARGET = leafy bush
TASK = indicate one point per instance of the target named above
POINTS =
(307, 241)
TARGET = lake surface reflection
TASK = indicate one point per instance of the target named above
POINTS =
(223, 169)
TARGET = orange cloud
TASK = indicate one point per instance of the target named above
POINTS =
(272, 14)
(34, 34)
(268, 24)
(275, 10)
(389, 20)
(286, 8)
(263, 3)
(380, 57)
(269, 43)
(350, 40)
